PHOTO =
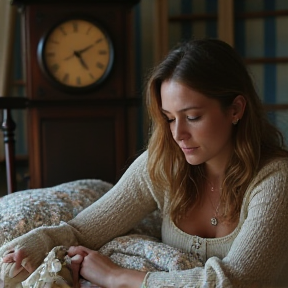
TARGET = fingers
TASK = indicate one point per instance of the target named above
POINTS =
(14, 271)
(9, 258)
(75, 267)
(77, 254)
(18, 257)
(28, 265)
(80, 250)
(77, 259)
(14, 256)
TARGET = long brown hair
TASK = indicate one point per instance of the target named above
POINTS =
(213, 68)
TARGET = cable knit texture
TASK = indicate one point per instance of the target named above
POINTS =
(255, 252)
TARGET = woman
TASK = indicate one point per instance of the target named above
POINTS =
(216, 169)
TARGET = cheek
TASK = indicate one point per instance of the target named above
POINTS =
(214, 131)
(222, 131)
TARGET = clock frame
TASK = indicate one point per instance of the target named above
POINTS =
(76, 55)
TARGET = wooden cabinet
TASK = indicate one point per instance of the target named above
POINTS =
(77, 143)
(88, 134)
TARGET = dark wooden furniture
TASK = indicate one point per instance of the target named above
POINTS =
(76, 135)
(8, 127)
(96, 139)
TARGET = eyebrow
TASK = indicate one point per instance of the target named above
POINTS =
(183, 110)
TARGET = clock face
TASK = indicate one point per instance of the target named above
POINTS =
(77, 54)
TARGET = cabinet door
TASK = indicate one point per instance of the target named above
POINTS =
(76, 143)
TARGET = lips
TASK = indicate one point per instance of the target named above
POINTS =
(189, 149)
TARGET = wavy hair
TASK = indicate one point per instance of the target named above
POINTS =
(213, 68)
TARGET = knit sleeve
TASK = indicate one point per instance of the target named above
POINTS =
(114, 214)
(258, 253)
(120, 209)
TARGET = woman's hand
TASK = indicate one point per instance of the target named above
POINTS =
(100, 270)
(17, 257)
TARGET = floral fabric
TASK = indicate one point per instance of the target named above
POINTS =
(138, 252)
(23, 211)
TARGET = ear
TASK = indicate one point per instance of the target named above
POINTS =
(238, 108)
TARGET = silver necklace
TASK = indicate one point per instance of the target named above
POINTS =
(214, 220)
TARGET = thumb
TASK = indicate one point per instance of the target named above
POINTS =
(75, 267)
(77, 259)
(80, 250)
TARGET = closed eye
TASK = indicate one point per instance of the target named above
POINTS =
(193, 118)
(169, 120)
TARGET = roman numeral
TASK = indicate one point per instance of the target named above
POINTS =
(75, 27)
(88, 30)
(62, 30)
(99, 40)
(65, 78)
(55, 67)
(100, 65)
(102, 52)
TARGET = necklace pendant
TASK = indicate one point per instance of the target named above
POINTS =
(214, 221)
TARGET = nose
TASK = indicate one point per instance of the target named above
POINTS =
(180, 131)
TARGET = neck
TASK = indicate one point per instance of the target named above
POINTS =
(215, 168)
(214, 175)
(215, 181)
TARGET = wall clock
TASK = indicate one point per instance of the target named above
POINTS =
(76, 54)
(83, 108)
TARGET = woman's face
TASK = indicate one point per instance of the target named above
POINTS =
(198, 124)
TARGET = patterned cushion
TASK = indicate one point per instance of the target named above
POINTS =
(136, 252)
(25, 210)
(146, 253)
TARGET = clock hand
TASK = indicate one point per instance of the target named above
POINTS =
(69, 57)
(78, 55)
(83, 63)
(79, 52)
(85, 49)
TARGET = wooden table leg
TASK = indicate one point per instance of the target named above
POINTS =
(8, 128)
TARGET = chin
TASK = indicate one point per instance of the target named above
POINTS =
(193, 161)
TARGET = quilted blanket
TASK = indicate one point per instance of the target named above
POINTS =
(139, 252)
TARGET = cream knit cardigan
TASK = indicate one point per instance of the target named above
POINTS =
(255, 252)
